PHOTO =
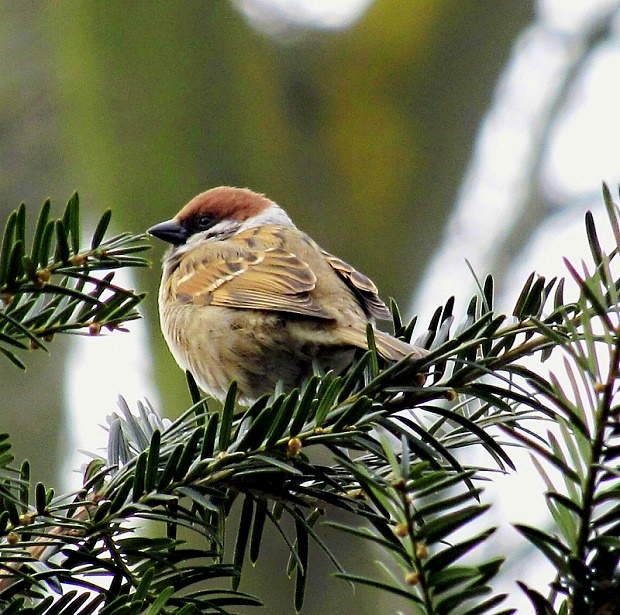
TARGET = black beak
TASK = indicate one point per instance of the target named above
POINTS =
(170, 231)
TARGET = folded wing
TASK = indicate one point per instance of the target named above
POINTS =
(258, 278)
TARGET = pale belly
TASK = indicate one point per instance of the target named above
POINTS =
(257, 349)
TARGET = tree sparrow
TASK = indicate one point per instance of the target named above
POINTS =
(246, 296)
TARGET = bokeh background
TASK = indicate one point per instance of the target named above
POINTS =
(403, 135)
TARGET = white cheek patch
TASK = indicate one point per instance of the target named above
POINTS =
(273, 214)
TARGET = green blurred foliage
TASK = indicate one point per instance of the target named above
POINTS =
(362, 135)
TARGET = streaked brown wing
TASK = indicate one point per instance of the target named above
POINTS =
(363, 287)
(257, 279)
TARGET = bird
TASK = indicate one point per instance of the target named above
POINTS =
(246, 296)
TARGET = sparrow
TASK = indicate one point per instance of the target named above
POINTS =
(246, 296)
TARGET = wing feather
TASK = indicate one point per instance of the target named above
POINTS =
(266, 278)
(362, 286)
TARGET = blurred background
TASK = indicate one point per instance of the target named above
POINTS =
(404, 135)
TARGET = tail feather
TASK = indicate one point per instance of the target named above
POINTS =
(388, 346)
(394, 349)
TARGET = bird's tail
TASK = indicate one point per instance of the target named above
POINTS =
(393, 349)
(388, 346)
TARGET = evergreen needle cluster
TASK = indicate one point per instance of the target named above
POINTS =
(396, 438)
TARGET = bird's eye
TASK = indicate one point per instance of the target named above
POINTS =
(204, 222)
